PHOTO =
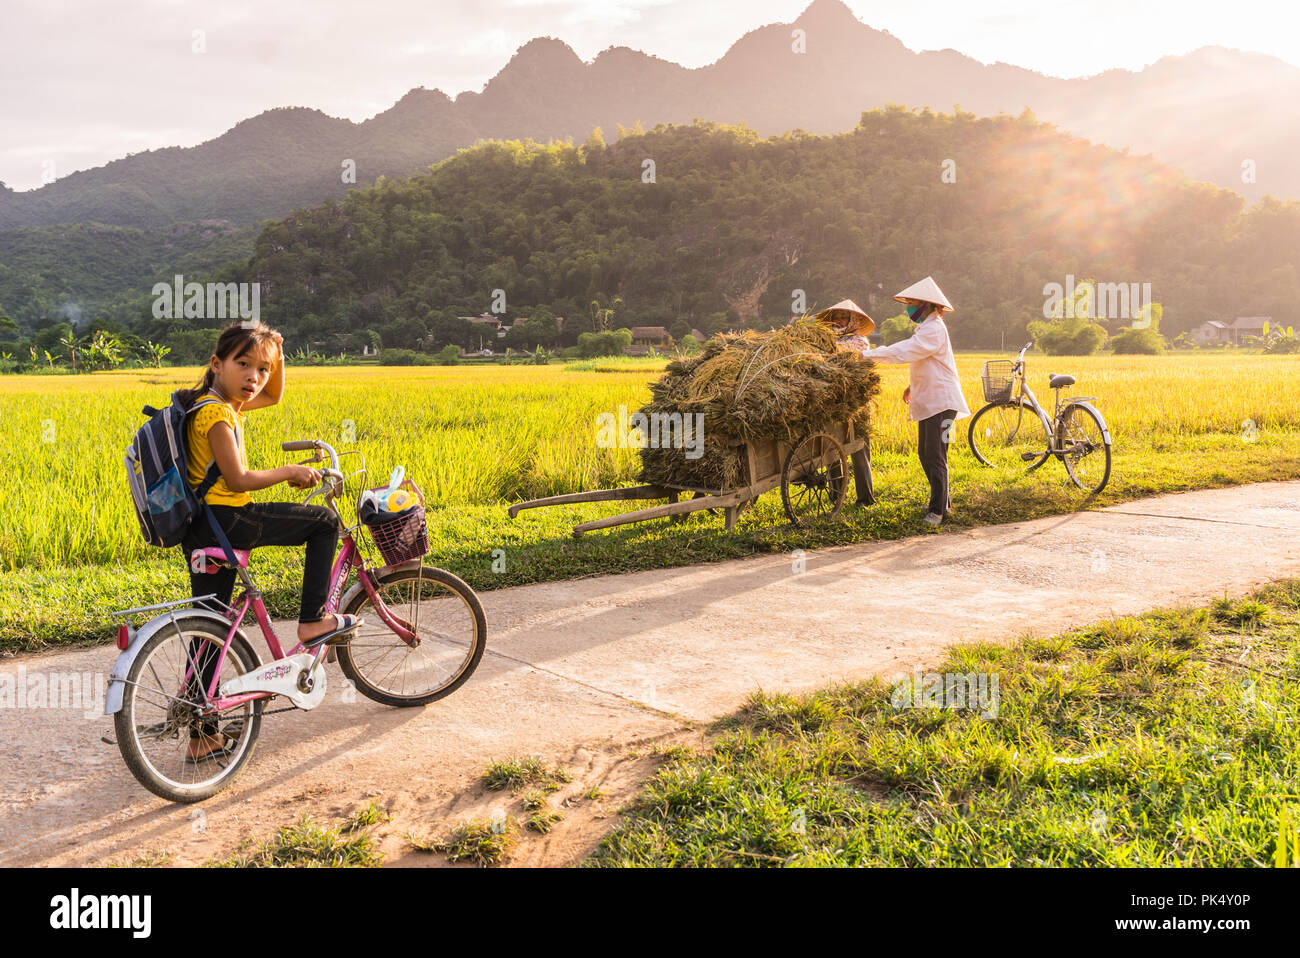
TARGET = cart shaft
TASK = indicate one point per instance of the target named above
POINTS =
(595, 495)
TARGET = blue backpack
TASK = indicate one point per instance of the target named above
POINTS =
(156, 467)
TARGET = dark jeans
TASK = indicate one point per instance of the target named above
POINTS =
(270, 524)
(933, 450)
(260, 524)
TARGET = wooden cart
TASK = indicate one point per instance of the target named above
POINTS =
(811, 472)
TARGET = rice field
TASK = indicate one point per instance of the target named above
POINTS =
(476, 438)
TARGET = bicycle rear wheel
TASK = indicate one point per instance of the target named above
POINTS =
(450, 628)
(160, 706)
(1081, 435)
(1009, 435)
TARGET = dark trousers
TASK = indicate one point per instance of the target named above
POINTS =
(270, 524)
(932, 437)
(247, 527)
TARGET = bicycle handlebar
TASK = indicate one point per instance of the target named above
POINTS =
(331, 477)
(316, 444)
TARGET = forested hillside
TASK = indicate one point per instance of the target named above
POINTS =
(733, 226)
(712, 227)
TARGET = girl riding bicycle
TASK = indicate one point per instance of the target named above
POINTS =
(246, 372)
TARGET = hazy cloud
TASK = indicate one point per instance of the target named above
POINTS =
(83, 82)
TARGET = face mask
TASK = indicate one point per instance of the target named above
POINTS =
(914, 313)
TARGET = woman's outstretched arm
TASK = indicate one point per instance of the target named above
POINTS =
(928, 340)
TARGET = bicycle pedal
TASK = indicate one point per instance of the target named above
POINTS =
(1029, 456)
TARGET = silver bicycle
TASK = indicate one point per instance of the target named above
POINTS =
(1013, 429)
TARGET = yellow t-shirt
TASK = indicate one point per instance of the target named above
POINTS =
(200, 450)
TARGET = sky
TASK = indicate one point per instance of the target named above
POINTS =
(83, 82)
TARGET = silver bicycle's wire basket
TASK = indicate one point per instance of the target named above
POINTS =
(998, 377)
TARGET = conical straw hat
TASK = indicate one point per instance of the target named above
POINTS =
(926, 291)
(859, 322)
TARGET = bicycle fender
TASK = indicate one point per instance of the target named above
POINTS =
(1105, 429)
(351, 594)
(122, 667)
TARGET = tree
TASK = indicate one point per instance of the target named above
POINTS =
(613, 343)
(602, 316)
(104, 351)
(1072, 330)
(1280, 341)
(69, 342)
(1143, 337)
(896, 328)
(156, 352)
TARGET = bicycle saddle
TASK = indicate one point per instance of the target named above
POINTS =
(212, 558)
(1058, 381)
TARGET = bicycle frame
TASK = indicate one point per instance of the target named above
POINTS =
(1024, 393)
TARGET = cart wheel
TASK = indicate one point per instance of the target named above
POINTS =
(814, 481)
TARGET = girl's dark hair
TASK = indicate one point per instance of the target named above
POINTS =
(235, 340)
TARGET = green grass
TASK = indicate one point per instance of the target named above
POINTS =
(479, 841)
(307, 844)
(479, 438)
(516, 773)
(617, 364)
(1171, 738)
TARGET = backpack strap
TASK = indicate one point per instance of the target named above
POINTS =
(209, 480)
(220, 533)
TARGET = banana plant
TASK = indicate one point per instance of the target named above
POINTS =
(69, 342)
(156, 352)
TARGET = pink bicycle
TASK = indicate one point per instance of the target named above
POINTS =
(190, 669)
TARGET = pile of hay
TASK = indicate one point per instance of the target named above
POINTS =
(749, 386)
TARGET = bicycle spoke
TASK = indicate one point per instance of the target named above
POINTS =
(162, 743)
(446, 631)
(1084, 449)
(1003, 435)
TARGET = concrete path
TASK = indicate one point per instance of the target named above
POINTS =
(586, 672)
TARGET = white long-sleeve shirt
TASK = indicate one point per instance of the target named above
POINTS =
(933, 372)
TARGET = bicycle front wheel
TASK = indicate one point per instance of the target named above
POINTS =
(162, 705)
(1009, 435)
(1081, 437)
(451, 634)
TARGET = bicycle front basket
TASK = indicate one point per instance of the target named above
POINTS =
(405, 538)
(998, 378)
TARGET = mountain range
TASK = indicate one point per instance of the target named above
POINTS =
(1224, 116)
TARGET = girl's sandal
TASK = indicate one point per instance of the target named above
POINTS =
(227, 746)
(347, 625)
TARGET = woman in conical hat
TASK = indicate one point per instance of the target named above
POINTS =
(851, 324)
(934, 394)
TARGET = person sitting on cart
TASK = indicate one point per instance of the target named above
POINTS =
(933, 394)
(852, 326)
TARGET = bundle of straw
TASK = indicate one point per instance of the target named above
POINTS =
(756, 386)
